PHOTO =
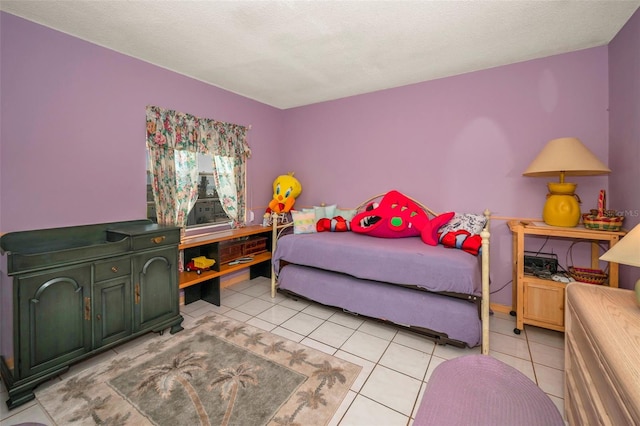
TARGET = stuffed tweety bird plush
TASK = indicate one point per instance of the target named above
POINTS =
(286, 189)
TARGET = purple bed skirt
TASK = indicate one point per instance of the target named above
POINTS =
(456, 318)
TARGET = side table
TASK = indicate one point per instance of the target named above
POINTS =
(538, 301)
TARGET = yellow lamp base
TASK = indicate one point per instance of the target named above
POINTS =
(562, 207)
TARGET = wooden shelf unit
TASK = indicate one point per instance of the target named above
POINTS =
(206, 285)
(190, 278)
(541, 302)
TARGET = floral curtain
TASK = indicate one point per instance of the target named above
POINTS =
(174, 139)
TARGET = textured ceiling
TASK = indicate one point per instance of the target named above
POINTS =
(293, 53)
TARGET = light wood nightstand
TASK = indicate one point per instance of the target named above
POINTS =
(538, 301)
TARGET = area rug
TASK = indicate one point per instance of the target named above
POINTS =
(220, 372)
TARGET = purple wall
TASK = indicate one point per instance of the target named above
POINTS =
(73, 128)
(456, 144)
(624, 129)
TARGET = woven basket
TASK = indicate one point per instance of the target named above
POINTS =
(586, 275)
(602, 219)
(589, 276)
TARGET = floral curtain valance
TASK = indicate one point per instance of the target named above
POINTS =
(186, 132)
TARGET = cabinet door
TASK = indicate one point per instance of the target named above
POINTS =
(112, 310)
(54, 310)
(544, 302)
(156, 287)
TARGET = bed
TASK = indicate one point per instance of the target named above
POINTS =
(437, 291)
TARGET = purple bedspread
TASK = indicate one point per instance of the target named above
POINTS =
(406, 261)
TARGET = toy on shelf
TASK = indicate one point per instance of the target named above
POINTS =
(199, 264)
(241, 260)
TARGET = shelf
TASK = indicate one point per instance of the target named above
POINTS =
(206, 285)
(187, 279)
(533, 279)
(215, 237)
(578, 232)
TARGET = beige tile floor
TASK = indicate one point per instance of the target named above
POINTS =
(396, 364)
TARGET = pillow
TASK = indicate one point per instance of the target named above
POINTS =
(324, 211)
(303, 222)
(463, 232)
(472, 223)
(346, 214)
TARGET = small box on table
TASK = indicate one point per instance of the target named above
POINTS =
(241, 247)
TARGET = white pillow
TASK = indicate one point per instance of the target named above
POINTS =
(473, 223)
(303, 222)
(325, 212)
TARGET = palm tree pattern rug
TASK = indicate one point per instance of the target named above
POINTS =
(219, 372)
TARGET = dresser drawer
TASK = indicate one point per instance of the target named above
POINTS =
(584, 389)
(590, 364)
(145, 237)
(113, 268)
(153, 240)
(602, 355)
(574, 399)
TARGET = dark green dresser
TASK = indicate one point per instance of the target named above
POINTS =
(80, 290)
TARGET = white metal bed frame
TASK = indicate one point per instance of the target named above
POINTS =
(277, 230)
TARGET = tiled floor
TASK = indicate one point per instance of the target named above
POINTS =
(396, 363)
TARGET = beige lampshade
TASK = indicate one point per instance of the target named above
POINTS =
(568, 155)
(626, 251)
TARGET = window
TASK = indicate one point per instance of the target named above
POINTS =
(207, 211)
(196, 170)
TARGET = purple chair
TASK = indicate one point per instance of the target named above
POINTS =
(480, 390)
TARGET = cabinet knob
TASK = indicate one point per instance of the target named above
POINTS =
(98, 317)
(158, 240)
(114, 269)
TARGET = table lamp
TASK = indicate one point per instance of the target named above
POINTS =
(562, 157)
(626, 252)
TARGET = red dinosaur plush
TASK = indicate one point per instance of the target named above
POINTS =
(397, 216)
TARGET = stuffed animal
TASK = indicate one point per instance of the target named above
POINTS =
(397, 216)
(286, 189)
(337, 224)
